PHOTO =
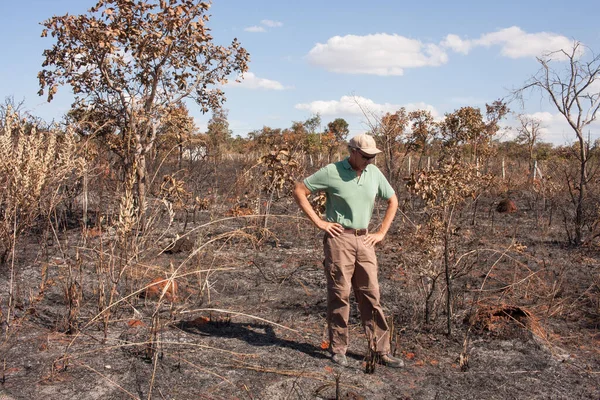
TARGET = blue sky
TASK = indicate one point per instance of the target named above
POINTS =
(325, 56)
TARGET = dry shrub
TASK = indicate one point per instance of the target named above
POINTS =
(422, 270)
(174, 190)
(34, 163)
(446, 191)
(202, 203)
(240, 210)
(122, 269)
(280, 170)
(317, 201)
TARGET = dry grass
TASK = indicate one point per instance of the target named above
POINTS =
(35, 164)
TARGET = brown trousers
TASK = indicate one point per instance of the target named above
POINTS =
(349, 264)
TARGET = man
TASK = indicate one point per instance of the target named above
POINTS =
(351, 186)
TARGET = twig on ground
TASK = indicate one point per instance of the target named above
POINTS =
(121, 388)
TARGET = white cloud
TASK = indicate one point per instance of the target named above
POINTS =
(555, 129)
(455, 43)
(594, 88)
(271, 23)
(354, 105)
(545, 118)
(255, 29)
(265, 22)
(514, 42)
(378, 54)
(251, 81)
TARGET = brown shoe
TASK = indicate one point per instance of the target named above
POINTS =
(390, 361)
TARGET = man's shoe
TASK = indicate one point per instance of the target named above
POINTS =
(390, 361)
(340, 359)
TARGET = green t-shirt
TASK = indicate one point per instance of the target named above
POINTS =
(350, 199)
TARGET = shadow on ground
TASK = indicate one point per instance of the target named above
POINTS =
(255, 334)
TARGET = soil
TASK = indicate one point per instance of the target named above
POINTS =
(252, 325)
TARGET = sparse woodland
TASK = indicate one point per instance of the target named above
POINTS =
(142, 258)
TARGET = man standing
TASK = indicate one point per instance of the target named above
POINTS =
(351, 186)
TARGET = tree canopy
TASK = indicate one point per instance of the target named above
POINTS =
(131, 62)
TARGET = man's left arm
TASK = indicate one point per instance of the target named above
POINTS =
(392, 206)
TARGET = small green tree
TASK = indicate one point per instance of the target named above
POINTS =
(339, 128)
(266, 138)
(423, 129)
(312, 138)
(219, 134)
(336, 134)
(465, 130)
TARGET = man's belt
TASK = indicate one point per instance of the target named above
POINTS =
(356, 232)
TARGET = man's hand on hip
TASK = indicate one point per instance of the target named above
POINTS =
(372, 239)
(332, 228)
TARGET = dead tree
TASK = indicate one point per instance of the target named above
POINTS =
(572, 91)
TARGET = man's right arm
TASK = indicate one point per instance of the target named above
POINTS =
(301, 193)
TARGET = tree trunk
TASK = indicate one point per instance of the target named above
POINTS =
(447, 225)
(428, 300)
(389, 153)
(141, 188)
(579, 219)
(180, 158)
(448, 282)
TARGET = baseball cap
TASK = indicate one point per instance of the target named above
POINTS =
(364, 143)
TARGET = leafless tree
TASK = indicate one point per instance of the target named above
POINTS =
(567, 78)
(529, 133)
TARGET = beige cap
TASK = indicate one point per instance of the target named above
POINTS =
(364, 143)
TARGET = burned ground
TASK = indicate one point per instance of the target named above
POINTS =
(251, 323)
